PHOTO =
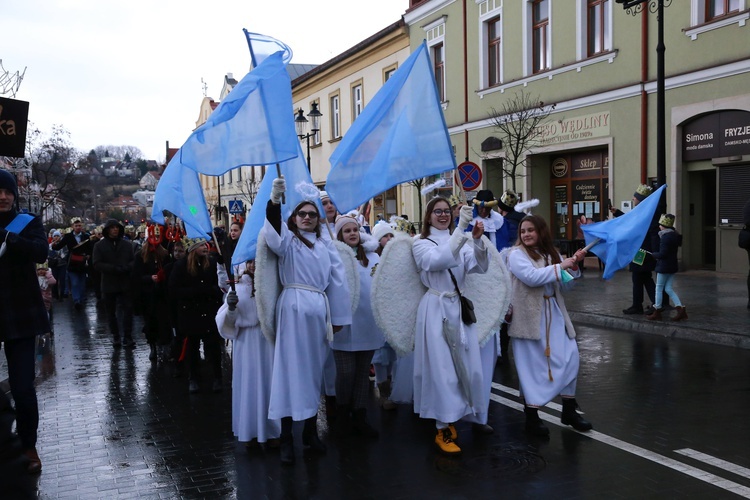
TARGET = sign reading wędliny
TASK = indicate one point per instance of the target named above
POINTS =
(575, 129)
(716, 135)
(14, 117)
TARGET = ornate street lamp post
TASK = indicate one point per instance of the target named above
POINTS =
(301, 123)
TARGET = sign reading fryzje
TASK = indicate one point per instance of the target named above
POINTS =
(13, 119)
(717, 135)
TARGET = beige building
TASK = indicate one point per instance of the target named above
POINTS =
(598, 66)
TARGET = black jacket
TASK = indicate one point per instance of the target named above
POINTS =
(666, 256)
(113, 258)
(85, 249)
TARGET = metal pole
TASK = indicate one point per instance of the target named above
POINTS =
(661, 156)
(309, 167)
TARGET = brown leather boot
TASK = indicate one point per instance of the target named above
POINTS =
(681, 313)
(656, 315)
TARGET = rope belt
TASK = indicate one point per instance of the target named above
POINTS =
(452, 294)
(548, 318)
(300, 286)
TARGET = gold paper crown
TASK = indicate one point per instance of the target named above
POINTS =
(509, 198)
(644, 190)
(189, 243)
(666, 220)
(403, 225)
(454, 200)
(75, 220)
(43, 265)
(142, 228)
(129, 228)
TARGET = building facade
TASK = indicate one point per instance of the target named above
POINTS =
(593, 68)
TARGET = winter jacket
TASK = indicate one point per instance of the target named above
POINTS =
(22, 311)
(198, 298)
(113, 258)
(666, 256)
(85, 248)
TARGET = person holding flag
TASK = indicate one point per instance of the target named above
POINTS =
(313, 304)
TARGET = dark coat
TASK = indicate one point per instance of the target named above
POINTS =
(666, 256)
(85, 248)
(22, 311)
(198, 298)
(650, 244)
(113, 258)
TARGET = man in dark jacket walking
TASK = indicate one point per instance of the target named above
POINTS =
(113, 258)
(22, 312)
(80, 245)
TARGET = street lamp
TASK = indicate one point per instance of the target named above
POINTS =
(634, 7)
(301, 123)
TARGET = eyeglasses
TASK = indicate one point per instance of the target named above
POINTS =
(302, 214)
(440, 212)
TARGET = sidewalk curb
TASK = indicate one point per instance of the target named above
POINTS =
(663, 329)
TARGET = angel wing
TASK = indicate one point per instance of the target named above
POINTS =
(349, 259)
(396, 292)
(490, 293)
(267, 287)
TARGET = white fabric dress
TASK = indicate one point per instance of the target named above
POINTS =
(329, 366)
(531, 363)
(252, 366)
(363, 334)
(437, 393)
(301, 345)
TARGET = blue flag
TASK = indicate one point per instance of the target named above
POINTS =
(400, 136)
(179, 191)
(262, 46)
(295, 172)
(253, 125)
(622, 237)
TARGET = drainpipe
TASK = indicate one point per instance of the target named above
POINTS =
(644, 98)
(466, 85)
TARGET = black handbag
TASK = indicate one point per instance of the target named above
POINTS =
(467, 307)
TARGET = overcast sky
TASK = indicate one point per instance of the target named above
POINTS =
(129, 72)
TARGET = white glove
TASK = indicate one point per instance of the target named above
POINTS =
(457, 240)
(278, 189)
(465, 217)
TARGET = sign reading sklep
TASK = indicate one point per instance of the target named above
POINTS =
(14, 117)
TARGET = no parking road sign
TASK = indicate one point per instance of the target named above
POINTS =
(469, 175)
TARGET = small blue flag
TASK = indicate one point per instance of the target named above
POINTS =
(621, 238)
(179, 191)
(400, 136)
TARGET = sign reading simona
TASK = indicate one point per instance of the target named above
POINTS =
(716, 135)
(14, 117)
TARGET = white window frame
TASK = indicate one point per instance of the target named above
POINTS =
(582, 29)
(357, 99)
(489, 9)
(698, 18)
(528, 33)
(435, 35)
(334, 101)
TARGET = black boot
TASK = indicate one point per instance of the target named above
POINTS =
(343, 421)
(534, 424)
(571, 417)
(152, 354)
(310, 436)
(286, 441)
(361, 426)
(330, 408)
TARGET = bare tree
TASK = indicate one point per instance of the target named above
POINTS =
(248, 188)
(520, 121)
(9, 83)
(418, 185)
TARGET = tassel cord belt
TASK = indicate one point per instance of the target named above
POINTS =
(329, 327)
(548, 322)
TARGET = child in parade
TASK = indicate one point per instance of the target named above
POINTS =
(46, 282)
(666, 267)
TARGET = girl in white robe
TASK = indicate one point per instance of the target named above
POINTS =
(544, 345)
(447, 378)
(313, 304)
(354, 346)
(252, 364)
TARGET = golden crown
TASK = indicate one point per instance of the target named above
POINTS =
(666, 220)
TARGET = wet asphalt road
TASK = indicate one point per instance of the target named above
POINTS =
(670, 421)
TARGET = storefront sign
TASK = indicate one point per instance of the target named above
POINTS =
(717, 135)
(14, 116)
(575, 129)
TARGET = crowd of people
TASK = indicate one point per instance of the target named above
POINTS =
(301, 320)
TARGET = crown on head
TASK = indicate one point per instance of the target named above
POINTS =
(666, 220)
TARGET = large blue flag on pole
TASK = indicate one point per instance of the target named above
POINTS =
(262, 46)
(179, 191)
(253, 125)
(296, 174)
(621, 238)
(400, 136)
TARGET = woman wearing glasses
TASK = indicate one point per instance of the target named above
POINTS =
(442, 339)
(313, 304)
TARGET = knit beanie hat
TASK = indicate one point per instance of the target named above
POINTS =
(343, 221)
(381, 229)
(7, 181)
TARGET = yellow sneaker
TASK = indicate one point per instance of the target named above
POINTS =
(445, 442)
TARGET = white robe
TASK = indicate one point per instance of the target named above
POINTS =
(437, 393)
(531, 363)
(301, 344)
(363, 334)
(329, 366)
(252, 366)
